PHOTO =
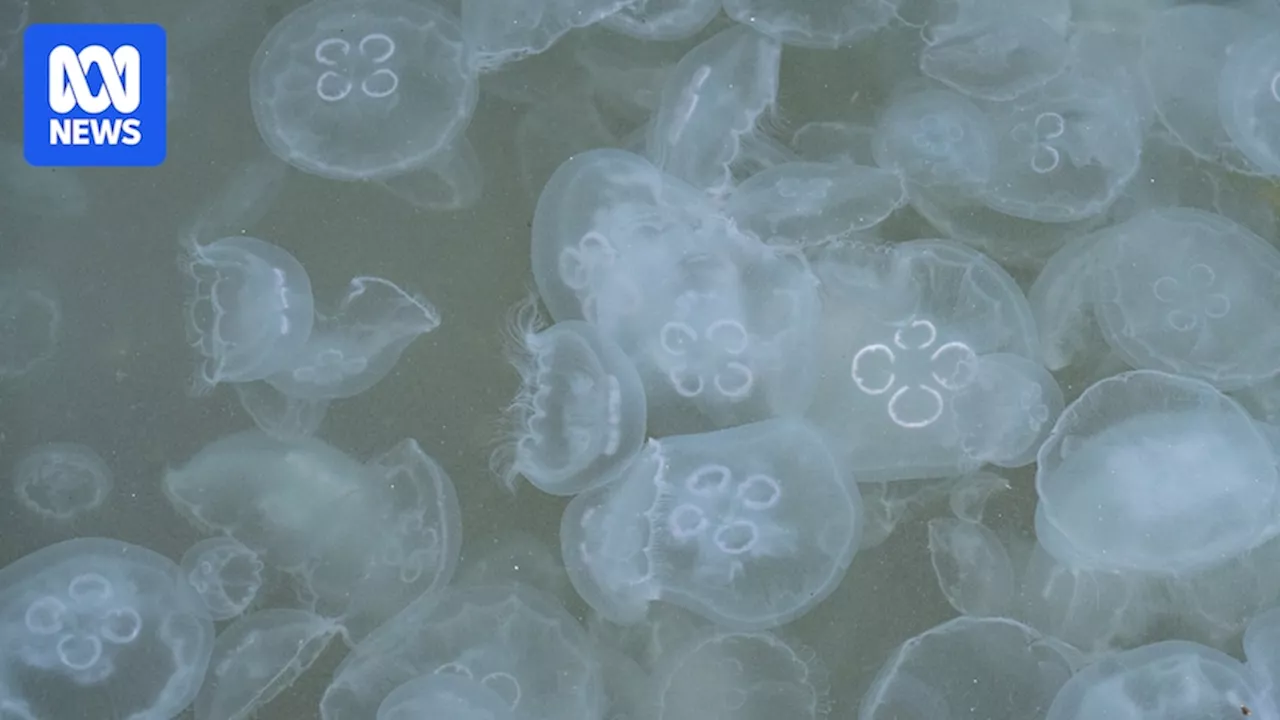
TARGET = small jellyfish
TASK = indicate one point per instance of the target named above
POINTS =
(258, 657)
(306, 508)
(444, 695)
(100, 623)
(935, 138)
(997, 57)
(1174, 678)
(579, 416)
(1189, 292)
(1249, 100)
(1184, 53)
(916, 382)
(1064, 151)
(60, 481)
(500, 32)
(1140, 471)
(225, 574)
(512, 640)
(712, 523)
(970, 667)
(695, 679)
(30, 323)
(249, 309)
(716, 94)
(359, 344)
(805, 203)
(362, 89)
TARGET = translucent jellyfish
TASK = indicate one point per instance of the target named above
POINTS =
(821, 24)
(499, 32)
(258, 657)
(926, 362)
(970, 668)
(1184, 50)
(712, 98)
(749, 527)
(752, 676)
(352, 349)
(663, 20)
(1061, 299)
(1249, 100)
(362, 89)
(444, 695)
(935, 138)
(224, 573)
(805, 203)
(1156, 473)
(307, 509)
(249, 309)
(1171, 679)
(98, 623)
(1190, 292)
(719, 325)
(513, 640)
(30, 323)
(556, 129)
(886, 505)
(969, 495)
(579, 416)
(973, 569)
(60, 481)
(1065, 151)
(996, 58)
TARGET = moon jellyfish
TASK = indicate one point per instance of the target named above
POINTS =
(361, 540)
(376, 90)
(60, 481)
(806, 203)
(30, 323)
(355, 347)
(499, 32)
(249, 309)
(720, 325)
(750, 527)
(927, 362)
(1189, 292)
(511, 639)
(970, 668)
(579, 415)
(258, 657)
(98, 623)
(719, 674)
(1249, 100)
(444, 695)
(1154, 473)
(1174, 678)
(710, 100)
(224, 573)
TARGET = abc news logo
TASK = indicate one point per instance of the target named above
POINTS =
(69, 89)
(94, 95)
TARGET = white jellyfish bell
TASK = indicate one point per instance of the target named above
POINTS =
(371, 90)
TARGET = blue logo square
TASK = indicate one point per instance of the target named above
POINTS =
(94, 95)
